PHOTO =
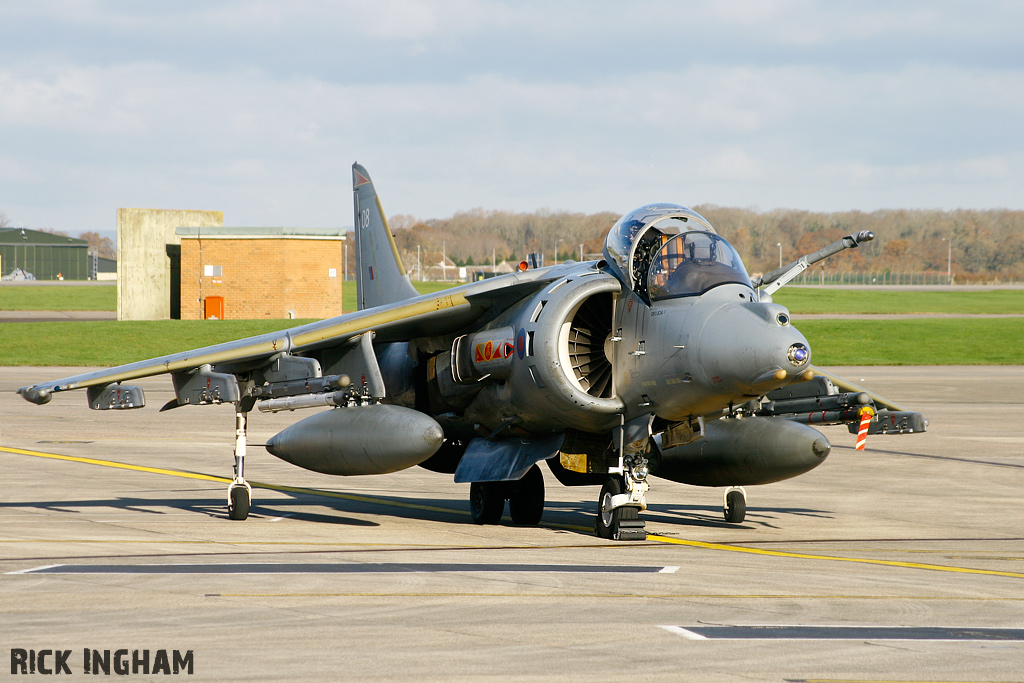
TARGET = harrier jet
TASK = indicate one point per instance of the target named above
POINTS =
(661, 359)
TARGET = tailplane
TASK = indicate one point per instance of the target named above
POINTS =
(380, 277)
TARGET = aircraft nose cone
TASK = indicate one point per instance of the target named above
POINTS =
(752, 348)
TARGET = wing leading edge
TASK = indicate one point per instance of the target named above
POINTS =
(430, 314)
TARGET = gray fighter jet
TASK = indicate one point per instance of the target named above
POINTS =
(661, 358)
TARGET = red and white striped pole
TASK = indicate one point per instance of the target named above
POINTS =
(862, 434)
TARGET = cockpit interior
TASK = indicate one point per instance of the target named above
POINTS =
(666, 251)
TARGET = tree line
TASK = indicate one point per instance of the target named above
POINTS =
(976, 245)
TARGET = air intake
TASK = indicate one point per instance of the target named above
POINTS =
(589, 328)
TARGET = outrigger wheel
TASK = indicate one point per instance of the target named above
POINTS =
(735, 505)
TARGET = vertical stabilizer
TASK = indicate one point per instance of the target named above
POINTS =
(380, 277)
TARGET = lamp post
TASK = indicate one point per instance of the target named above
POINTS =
(555, 259)
(949, 259)
(779, 245)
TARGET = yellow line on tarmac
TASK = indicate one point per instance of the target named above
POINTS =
(589, 596)
(833, 558)
(434, 508)
(118, 465)
(224, 480)
(873, 680)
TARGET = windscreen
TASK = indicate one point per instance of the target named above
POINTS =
(692, 263)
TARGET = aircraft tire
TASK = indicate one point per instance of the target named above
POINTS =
(735, 507)
(607, 519)
(239, 506)
(526, 504)
(486, 502)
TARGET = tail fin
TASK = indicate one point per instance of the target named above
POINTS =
(380, 276)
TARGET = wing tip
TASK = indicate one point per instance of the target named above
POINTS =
(37, 395)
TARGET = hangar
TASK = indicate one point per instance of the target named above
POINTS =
(43, 254)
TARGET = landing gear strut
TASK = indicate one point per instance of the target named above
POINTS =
(239, 491)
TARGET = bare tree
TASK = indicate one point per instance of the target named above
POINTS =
(99, 244)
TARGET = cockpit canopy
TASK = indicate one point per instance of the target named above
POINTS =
(665, 251)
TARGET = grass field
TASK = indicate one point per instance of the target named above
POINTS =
(931, 341)
(925, 341)
(58, 297)
(348, 291)
(104, 298)
(799, 300)
(109, 342)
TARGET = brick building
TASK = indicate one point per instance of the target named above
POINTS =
(261, 272)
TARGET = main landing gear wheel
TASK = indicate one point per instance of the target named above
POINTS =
(735, 505)
(239, 501)
(526, 502)
(486, 501)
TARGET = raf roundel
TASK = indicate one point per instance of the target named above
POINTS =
(521, 344)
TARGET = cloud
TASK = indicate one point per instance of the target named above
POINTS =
(259, 108)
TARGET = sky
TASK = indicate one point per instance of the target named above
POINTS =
(259, 109)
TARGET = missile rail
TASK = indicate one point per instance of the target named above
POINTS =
(819, 402)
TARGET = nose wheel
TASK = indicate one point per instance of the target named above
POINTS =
(617, 521)
(735, 509)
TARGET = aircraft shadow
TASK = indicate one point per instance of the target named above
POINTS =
(214, 508)
(576, 517)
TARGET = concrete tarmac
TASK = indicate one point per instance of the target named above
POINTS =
(113, 535)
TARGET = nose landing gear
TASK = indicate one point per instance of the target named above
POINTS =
(621, 500)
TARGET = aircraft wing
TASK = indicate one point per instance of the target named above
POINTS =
(429, 315)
